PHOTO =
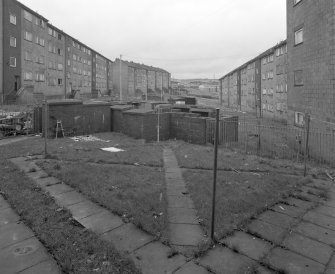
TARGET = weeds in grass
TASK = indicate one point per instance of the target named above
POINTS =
(57, 166)
(202, 248)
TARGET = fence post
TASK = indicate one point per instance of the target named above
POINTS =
(307, 124)
(259, 137)
(45, 127)
(215, 171)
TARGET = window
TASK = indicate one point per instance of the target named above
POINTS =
(50, 31)
(299, 119)
(60, 52)
(295, 2)
(28, 36)
(40, 77)
(40, 22)
(27, 56)
(264, 91)
(298, 78)
(74, 57)
(40, 60)
(60, 37)
(28, 76)
(60, 82)
(12, 62)
(60, 66)
(69, 62)
(13, 42)
(28, 16)
(41, 42)
(12, 19)
(50, 47)
(299, 36)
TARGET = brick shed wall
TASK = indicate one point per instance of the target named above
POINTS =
(78, 119)
(189, 128)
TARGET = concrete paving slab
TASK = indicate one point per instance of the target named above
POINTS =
(21, 256)
(292, 211)
(180, 202)
(309, 248)
(267, 231)
(248, 245)
(332, 262)
(277, 219)
(84, 209)
(154, 258)
(13, 233)
(223, 260)
(127, 238)
(174, 182)
(321, 183)
(192, 268)
(101, 222)
(325, 210)
(47, 181)
(58, 189)
(185, 234)
(329, 203)
(37, 175)
(320, 219)
(3, 203)
(316, 232)
(46, 267)
(330, 271)
(299, 203)
(177, 190)
(293, 263)
(8, 216)
(183, 216)
(69, 198)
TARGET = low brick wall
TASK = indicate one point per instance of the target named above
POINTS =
(142, 124)
(78, 118)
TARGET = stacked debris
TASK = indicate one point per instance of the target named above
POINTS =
(15, 123)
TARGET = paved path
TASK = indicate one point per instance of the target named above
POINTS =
(150, 256)
(184, 228)
(20, 250)
(294, 237)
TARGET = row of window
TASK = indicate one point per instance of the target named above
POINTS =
(281, 50)
(270, 108)
(268, 59)
(55, 66)
(39, 77)
(100, 67)
(80, 47)
(55, 81)
(55, 50)
(55, 34)
(81, 72)
(81, 60)
(38, 40)
(268, 75)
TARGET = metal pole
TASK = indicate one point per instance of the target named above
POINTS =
(215, 171)
(158, 125)
(120, 77)
(45, 127)
(308, 119)
(259, 137)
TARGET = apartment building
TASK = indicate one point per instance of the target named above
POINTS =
(39, 61)
(259, 85)
(138, 80)
(311, 60)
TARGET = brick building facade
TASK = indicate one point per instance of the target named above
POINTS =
(259, 85)
(311, 59)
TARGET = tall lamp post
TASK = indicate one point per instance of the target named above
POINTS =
(121, 77)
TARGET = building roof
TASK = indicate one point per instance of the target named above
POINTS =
(141, 66)
(263, 54)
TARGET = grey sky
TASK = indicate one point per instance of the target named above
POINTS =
(189, 38)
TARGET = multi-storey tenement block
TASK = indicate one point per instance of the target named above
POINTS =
(259, 86)
(37, 60)
(311, 59)
(138, 80)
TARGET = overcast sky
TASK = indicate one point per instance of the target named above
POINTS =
(189, 38)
